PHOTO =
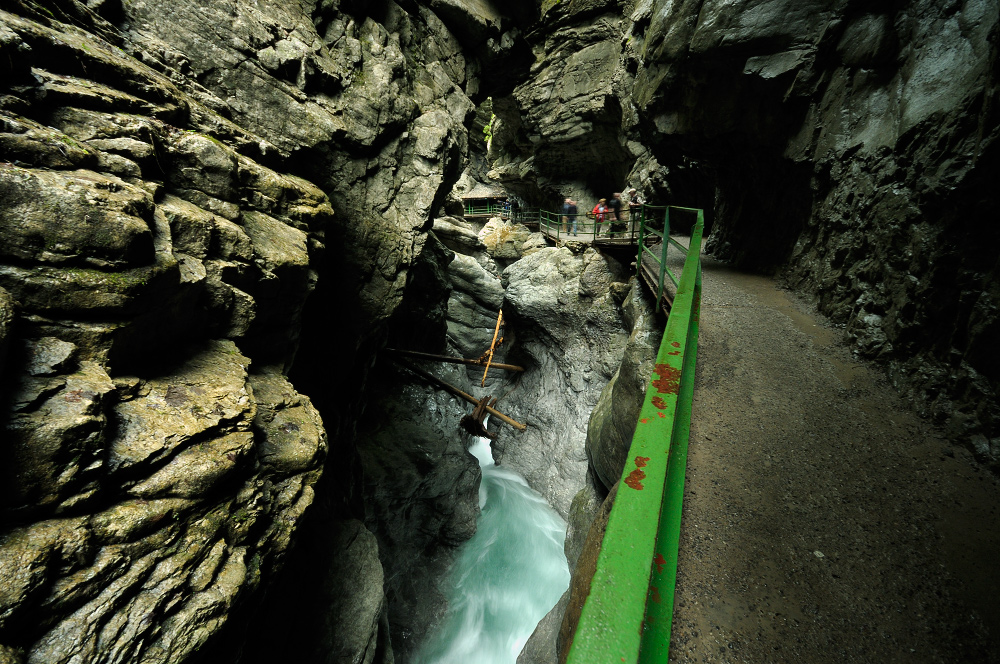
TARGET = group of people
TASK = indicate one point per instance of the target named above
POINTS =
(605, 210)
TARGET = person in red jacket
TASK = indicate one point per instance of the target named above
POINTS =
(598, 213)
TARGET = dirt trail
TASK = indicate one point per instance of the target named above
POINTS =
(823, 520)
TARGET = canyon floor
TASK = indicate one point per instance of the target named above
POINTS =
(824, 521)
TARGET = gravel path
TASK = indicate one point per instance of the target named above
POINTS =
(823, 520)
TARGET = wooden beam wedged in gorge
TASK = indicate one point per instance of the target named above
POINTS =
(459, 393)
(493, 344)
(453, 360)
(474, 423)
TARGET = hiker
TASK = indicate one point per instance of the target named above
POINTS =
(598, 213)
(615, 214)
(634, 202)
(570, 212)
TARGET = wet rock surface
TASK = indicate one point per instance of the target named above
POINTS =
(422, 496)
(570, 337)
(173, 186)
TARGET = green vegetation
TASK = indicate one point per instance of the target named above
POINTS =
(254, 566)
(118, 282)
(488, 129)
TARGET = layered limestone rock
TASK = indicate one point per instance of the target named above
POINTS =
(147, 478)
(569, 332)
(173, 186)
(610, 428)
(149, 505)
(848, 147)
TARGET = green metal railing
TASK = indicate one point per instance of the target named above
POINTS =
(599, 226)
(628, 613)
(486, 208)
(525, 215)
(587, 223)
(654, 243)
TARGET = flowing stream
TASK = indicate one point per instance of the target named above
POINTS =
(505, 578)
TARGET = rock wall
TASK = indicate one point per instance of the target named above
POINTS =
(151, 478)
(849, 148)
(191, 197)
(565, 307)
(211, 209)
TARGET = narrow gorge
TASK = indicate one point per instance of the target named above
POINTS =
(219, 220)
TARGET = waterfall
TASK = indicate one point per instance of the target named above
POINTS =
(505, 578)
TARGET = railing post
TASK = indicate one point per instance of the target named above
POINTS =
(663, 253)
(642, 233)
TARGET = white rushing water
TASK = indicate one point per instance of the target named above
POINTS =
(506, 578)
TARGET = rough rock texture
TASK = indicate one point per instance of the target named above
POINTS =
(150, 480)
(505, 241)
(149, 506)
(174, 185)
(566, 310)
(850, 147)
(351, 623)
(6, 319)
(558, 133)
(613, 420)
(422, 490)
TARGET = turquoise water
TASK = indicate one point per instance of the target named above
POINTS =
(506, 578)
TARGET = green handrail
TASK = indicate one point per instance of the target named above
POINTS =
(627, 615)
(666, 242)
(551, 222)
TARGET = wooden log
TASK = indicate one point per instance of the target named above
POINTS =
(474, 423)
(489, 359)
(453, 360)
(459, 393)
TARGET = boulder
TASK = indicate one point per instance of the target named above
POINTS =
(613, 420)
(503, 240)
(78, 218)
(457, 234)
(571, 346)
(476, 298)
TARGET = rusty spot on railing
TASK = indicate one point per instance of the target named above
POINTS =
(669, 381)
(636, 477)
